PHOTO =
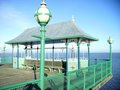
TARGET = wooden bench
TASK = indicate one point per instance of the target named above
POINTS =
(54, 65)
(37, 63)
(58, 65)
(50, 65)
(30, 63)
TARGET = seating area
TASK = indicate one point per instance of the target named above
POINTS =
(50, 65)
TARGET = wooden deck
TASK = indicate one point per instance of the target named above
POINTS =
(9, 76)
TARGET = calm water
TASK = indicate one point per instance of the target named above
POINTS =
(114, 83)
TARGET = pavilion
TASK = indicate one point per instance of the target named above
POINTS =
(81, 76)
(63, 32)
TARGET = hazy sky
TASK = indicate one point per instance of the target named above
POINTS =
(99, 18)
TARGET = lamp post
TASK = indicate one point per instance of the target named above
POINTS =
(42, 16)
(110, 41)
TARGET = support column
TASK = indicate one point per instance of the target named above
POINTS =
(17, 56)
(67, 43)
(88, 53)
(12, 53)
(37, 52)
(4, 55)
(25, 50)
(66, 72)
(31, 51)
(78, 44)
(52, 54)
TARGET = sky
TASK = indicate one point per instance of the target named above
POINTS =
(98, 18)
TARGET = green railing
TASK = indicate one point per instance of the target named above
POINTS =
(86, 78)
(5, 59)
(55, 82)
(20, 86)
(82, 79)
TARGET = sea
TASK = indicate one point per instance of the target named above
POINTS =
(114, 83)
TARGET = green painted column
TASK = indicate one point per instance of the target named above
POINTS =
(67, 43)
(37, 52)
(17, 56)
(4, 54)
(88, 53)
(31, 51)
(42, 56)
(12, 53)
(78, 44)
(25, 51)
(53, 54)
(84, 80)
(66, 73)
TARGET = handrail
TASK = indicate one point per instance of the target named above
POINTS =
(79, 78)
(18, 85)
(98, 76)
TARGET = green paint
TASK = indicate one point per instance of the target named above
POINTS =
(67, 43)
(110, 56)
(88, 54)
(81, 82)
(37, 52)
(15, 86)
(78, 44)
(101, 71)
(42, 57)
(69, 37)
(84, 78)
(53, 54)
(47, 38)
(17, 56)
(68, 81)
(12, 53)
(94, 74)
(4, 54)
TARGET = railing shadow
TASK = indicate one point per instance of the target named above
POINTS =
(31, 87)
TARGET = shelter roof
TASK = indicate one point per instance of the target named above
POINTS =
(57, 32)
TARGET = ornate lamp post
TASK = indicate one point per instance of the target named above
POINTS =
(110, 41)
(42, 16)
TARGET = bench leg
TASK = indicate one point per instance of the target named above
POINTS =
(59, 70)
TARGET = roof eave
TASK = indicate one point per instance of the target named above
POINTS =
(69, 37)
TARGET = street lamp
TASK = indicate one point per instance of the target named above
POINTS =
(110, 41)
(42, 16)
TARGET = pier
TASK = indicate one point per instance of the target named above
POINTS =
(40, 72)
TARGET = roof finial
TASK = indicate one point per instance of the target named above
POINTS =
(43, 2)
(73, 18)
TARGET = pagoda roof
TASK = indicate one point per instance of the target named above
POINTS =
(57, 32)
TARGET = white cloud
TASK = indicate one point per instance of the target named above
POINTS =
(12, 22)
(13, 17)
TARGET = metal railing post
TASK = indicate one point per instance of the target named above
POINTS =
(84, 78)
(94, 74)
(101, 71)
(68, 81)
(106, 68)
